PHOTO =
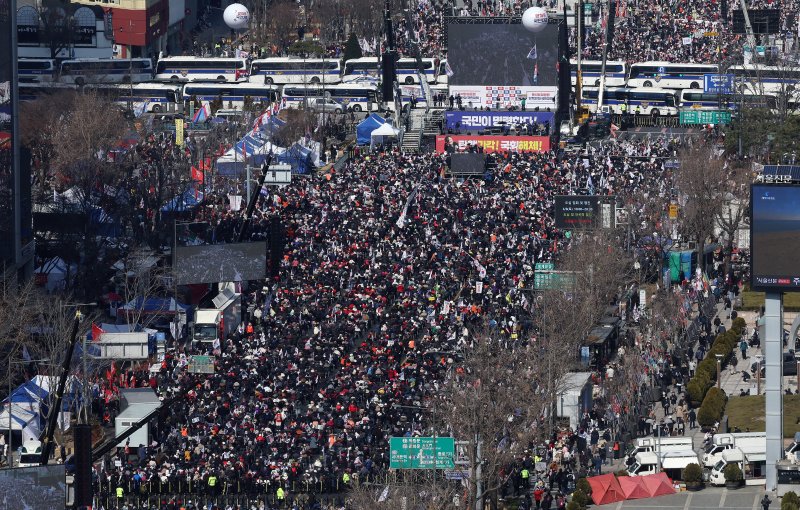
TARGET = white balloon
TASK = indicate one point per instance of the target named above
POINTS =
(534, 19)
(236, 16)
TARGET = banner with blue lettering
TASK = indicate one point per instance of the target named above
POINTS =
(476, 121)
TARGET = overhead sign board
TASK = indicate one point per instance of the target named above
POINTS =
(421, 452)
(718, 83)
(699, 117)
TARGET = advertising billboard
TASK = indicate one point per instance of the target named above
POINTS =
(502, 54)
(774, 239)
(476, 121)
(584, 211)
(504, 96)
(234, 262)
(457, 143)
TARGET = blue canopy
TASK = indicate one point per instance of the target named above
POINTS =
(184, 201)
(300, 158)
(366, 127)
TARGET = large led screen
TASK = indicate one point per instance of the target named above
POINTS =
(33, 488)
(775, 237)
(502, 54)
(221, 263)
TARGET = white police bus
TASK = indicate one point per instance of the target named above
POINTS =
(618, 100)
(759, 79)
(697, 100)
(105, 70)
(407, 69)
(356, 68)
(293, 70)
(233, 95)
(182, 69)
(354, 97)
(667, 75)
(616, 73)
(37, 70)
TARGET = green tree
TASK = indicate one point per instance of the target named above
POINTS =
(352, 49)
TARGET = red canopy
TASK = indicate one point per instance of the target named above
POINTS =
(658, 484)
(605, 489)
(633, 487)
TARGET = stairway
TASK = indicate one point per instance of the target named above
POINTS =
(433, 123)
(413, 134)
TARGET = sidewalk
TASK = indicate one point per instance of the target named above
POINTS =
(731, 383)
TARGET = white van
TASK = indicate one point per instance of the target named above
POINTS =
(723, 442)
(30, 454)
(672, 463)
(656, 444)
(752, 462)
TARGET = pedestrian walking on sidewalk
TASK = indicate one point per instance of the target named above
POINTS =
(765, 502)
(692, 419)
(743, 348)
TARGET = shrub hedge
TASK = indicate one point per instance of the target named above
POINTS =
(706, 373)
(713, 407)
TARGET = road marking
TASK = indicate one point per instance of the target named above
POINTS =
(755, 501)
(688, 503)
(722, 499)
(619, 505)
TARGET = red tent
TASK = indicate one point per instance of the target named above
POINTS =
(633, 487)
(605, 489)
(658, 484)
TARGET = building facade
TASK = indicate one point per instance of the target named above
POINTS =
(16, 219)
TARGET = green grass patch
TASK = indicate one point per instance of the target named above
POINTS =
(755, 300)
(748, 413)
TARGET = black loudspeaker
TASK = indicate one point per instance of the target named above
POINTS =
(612, 16)
(388, 74)
(277, 243)
(83, 465)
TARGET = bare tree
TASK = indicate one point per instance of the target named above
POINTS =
(734, 213)
(141, 278)
(699, 182)
(408, 489)
(498, 401)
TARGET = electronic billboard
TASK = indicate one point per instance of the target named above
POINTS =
(33, 488)
(775, 237)
(502, 54)
(234, 262)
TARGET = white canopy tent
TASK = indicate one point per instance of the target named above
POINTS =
(382, 133)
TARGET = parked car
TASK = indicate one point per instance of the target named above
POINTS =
(789, 365)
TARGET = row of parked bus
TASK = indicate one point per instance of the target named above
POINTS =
(669, 102)
(667, 75)
(268, 71)
(156, 97)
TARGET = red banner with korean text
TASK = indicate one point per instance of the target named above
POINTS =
(459, 143)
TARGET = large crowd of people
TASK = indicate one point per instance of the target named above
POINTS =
(344, 348)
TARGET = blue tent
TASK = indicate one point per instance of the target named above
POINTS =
(184, 201)
(300, 158)
(366, 127)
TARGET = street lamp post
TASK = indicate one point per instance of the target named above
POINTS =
(759, 358)
(719, 364)
(797, 359)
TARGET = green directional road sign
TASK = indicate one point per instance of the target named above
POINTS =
(418, 452)
(704, 117)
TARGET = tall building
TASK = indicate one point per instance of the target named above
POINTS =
(16, 224)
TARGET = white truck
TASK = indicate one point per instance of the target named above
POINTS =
(221, 319)
(722, 442)
(672, 463)
(30, 454)
(656, 444)
(752, 462)
(793, 450)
